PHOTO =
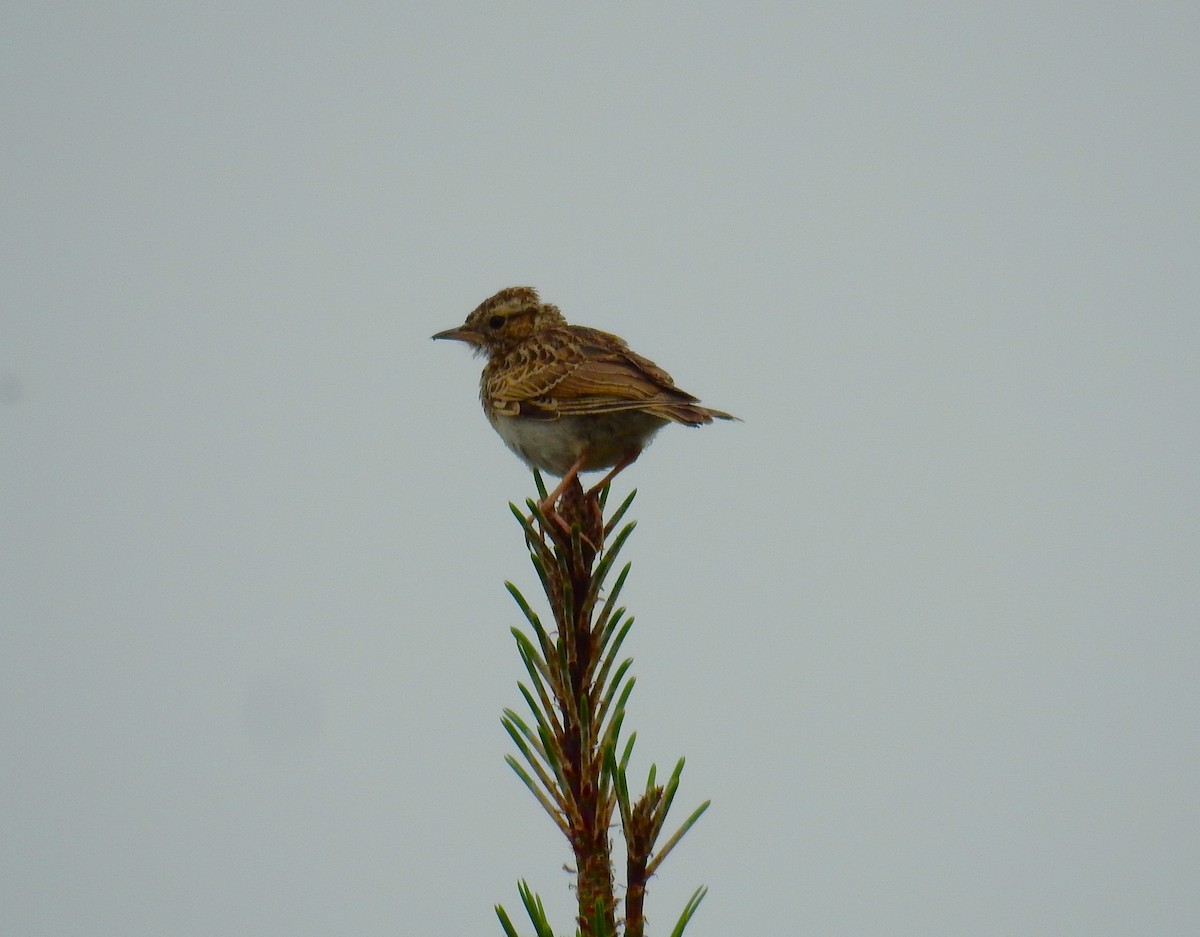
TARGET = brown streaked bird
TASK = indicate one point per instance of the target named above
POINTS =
(566, 398)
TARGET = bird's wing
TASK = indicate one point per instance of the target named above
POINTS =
(527, 374)
(586, 371)
(579, 371)
(609, 382)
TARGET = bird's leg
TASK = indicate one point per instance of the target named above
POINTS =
(626, 460)
(551, 499)
(548, 507)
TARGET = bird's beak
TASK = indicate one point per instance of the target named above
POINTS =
(460, 334)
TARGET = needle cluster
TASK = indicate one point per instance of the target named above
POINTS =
(571, 753)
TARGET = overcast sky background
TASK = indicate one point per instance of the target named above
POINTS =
(925, 625)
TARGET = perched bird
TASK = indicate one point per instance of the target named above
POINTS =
(566, 398)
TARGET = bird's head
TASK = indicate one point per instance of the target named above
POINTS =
(505, 320)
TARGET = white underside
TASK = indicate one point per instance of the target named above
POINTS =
(555, 445)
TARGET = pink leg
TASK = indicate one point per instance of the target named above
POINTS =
(627, 460)
(547, 505)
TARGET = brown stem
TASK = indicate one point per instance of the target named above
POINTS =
(639, 840)
(582, 763)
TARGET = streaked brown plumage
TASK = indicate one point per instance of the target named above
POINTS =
(566, 398)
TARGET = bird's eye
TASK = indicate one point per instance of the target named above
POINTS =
(495, 322)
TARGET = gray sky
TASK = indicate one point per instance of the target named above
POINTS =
(925, 625)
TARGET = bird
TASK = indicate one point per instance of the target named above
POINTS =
(566, 398)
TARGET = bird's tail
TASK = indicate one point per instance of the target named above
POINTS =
(691, 414)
